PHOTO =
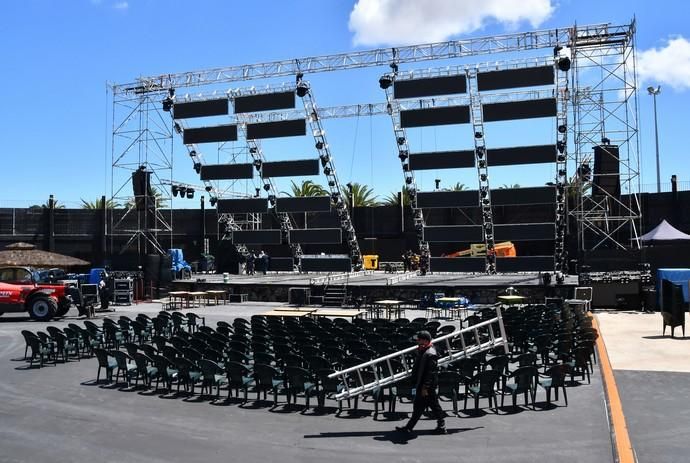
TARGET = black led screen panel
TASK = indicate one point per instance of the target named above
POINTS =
(256, 237)
(326, 264)
(281, 264)
(442, 160)
(290, 168)
(514, 78)
(525, 232)
(316, 235)
(266, 102)
(226, 171)
(440, 199)
(519, 110)
(304, 204)
(453, 234)
(432, 86)
(290, 128)
(524, 264)
(218, 133)
(539, 154)
(457, 264)
(523, 196)
(217, 107)
(435, 116)
(241, 206)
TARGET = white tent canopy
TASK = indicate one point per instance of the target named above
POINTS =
(664, 232)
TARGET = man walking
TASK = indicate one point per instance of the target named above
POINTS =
(425, 377)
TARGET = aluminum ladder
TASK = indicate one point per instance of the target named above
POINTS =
(384, 373)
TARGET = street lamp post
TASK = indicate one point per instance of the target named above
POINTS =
(654, 92)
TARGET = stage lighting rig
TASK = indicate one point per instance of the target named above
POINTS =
(197, 167)
(386, 81)
(190, 193)
(213, 200)
(257, 164)
(267, 187)
(401, 141)
(208, 188)
(302, 88)
(174, 190)
(258, 192)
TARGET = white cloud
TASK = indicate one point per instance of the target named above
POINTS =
(121, 5)
(669, 65)
(400, 22)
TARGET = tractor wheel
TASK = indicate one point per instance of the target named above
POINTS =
(63, 307)
(42, 308)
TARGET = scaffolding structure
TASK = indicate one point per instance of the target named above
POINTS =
(600, 102)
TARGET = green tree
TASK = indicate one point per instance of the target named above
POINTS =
(56, 205)
(360, 196)
(307, 188)
(161, 202)
(393, 199)
(98, 204)
(508, 187)
(459, 187)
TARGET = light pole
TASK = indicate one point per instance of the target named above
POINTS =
(654, 92)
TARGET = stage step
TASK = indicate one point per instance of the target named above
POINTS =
(334, 296)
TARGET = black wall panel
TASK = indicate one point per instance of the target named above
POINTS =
(439, 199)
(521, 155)
(214, 134)
(281, 264)
(217, 107)
(524, 264)
(445, 85)
(239, 206)
(316, 235)
(442, 160)
(525, 232)
(514, 78)
(326, 264)
(226, 171)
(435, 116)
(304, 204)
(256, 237)
(290, 128)
(519, 110)
(523, 196)
(453, 234)
(290, 168)
(266, 102)
(457, 264)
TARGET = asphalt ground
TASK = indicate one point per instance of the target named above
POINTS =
(59, 414)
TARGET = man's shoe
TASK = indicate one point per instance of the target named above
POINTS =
(403, 429)
(440, 431)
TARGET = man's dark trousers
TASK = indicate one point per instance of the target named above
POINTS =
(421, 403)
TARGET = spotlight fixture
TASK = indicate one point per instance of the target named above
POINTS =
(484, 192)
(327, 171)
(192, 154)
(561, 146)
(319, 145)
(190, 193)
(401, 140)
(174, 190)
(605, 141)
(258, 192)
(331, 183)
(197, 167)
(560, 157)
(349, 186)
(267, 186)
(272, 199)
(302, 89)
(183, 191)
(482, 163)
(167, 104)
(213, 200)
(385, 81)
(403, 155)
(408, 180)
(208, 189)
(178, 127)
(564, 64)
(257, 164)
(562, 172)
(562, 128)
(480, 151)
(437, 181)
(478, 135)
(483, 177)
(253, 150)
(171, 92)
(324, 160)
(406, 167)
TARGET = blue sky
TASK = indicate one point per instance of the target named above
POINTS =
(58, 56)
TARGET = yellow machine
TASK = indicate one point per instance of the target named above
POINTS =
(371, 262)
(505, 249)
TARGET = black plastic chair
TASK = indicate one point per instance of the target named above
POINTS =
(238, 378)
(266, 378)
(299, 382)
(483, 384)
(125, 366)
(554, 378)
(105, 362)
(524, 382)
(449, 386)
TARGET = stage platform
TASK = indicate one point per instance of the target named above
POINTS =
(480, 288)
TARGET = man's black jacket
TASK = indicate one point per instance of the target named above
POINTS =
(425, 369)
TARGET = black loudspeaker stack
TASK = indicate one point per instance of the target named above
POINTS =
(607, 171)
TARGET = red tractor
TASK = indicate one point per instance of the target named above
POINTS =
(20, 292)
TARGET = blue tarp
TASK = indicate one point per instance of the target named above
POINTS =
(679, 276)
(178, 262)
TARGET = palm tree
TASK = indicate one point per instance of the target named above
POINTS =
(307, 188)
(161, 202)
(98, 204)
(361, 196)
(459, 187)
(393, 199)
(508, 187)
(46, 205)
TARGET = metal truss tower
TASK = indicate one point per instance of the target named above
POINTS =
(605, 111)
(141, 139)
